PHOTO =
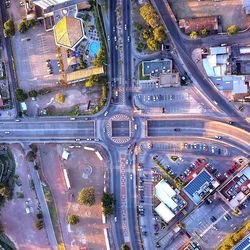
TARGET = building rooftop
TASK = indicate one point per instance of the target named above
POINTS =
(68, 32)
(200, 186)
(246, 6)
(164, 212)
(243, 244)
(156, 67)
(198, 23)
(83, 74)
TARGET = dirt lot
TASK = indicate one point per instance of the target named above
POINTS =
(18, 225)
(231, 11)
(89, 232)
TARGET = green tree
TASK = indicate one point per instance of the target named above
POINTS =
(85, 17)
(107, 203)
(73, 219)
(125, 247)
(30, 156)
(33, 93)
(9, 28)
(146, 34)
(138, 26)
(31, 23)
(140, 46)
(21, 96)
(22, 26)
(60, 98)
(86, 196)
(232, 29)
(39, 216)
(152, 44)
(91, 81)
(159, 33)
(193, 35)
(204, 32)
(33, 147)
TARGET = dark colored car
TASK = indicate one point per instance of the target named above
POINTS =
(213, 219)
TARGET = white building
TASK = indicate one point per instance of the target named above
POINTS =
(47, 3)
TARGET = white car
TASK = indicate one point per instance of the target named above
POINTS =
(108, 38)
(125, 26)
(128, 38)
(7, 132)
(131, 176)
(77, 139)
(72, 118)
(115, 219)
(106, 113)
(115, 38)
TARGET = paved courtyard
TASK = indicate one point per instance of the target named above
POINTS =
(89, 232)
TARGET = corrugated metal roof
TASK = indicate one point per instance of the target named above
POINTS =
(244, 244)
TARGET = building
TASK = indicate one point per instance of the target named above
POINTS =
(244, 244)
(68, 32)
(200, 187)
(209, 23)
(161, 72)
(48, 3)
(236, 191)
(246, 6)
(171, 202)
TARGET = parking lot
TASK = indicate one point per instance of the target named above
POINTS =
(173, 100)
(212, 222)
(31, 50)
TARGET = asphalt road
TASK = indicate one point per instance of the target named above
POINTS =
(185, 55)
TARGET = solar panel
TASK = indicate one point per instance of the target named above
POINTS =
(196, 184)
(244, 245)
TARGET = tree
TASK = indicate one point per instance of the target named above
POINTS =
(204, 32)
(152, 44)
(159, 33)
(9, 28)
(39, 224)
(85, 17)
(33, 147)
(232, 29)
(146, 34)
(30, 156)
(60, 98)
(193, 35)
(22, 26)
(140, 46)
(107, 203)
(30, 23)
(92, 81)
(138, 26)
(125, 247)
(39, 216)
(100, 58)
(73, 219)
(33, 93)
(21, 96)
(149, 15)
(86, 196)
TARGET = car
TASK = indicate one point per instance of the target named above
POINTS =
(213, 219)
(125, 26)
(177, 129)
(231, 123)
(131, 176)
(108, 38)
(218, 137)
(7, 132)
(213, 149)
(115, 219)
(77, 139)
(154, 98)
(17, 120)
(227, 217)
(128, 38)
(135, 126)
(149, 97)
(209, 200)
(116, 93)
(106, 113)
(116, 47)
(72, 118)
(115, 38)
(21, 4)
(113, 28)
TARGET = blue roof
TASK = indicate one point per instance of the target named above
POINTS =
(197, 183)
(244, 244)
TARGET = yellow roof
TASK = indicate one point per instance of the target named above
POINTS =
(68, 32)
(84, 73)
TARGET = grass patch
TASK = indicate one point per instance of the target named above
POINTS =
(174, 157)
(142, 77)
(53, 213)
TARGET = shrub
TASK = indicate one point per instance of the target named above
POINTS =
(107, 203)
(73, 219)
(159, 33)
(193, 35)
(60, 98)
(21, 96)
(152, 44)
(232, 29)
(33, 93)
(9, 28)
(86, 196)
